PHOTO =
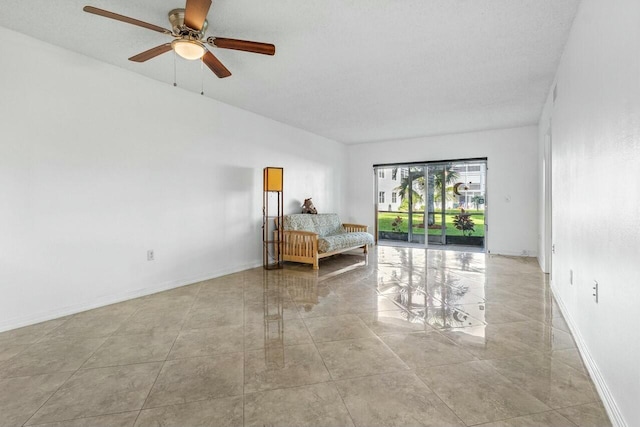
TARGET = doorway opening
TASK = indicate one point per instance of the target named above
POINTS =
(440, 203)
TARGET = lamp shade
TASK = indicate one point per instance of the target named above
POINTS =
(273, 179)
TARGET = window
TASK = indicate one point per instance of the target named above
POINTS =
(466, 168)
(394, 198)
(381, 173)
(394, 174)
(405, 173)
(381, 197)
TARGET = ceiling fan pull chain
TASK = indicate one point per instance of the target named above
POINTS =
(174, 69)
(201, 78)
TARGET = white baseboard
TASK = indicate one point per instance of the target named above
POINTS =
(524, 254)
(116, 298)
(601, 386)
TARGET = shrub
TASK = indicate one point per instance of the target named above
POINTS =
(464, 223)
(396, 224)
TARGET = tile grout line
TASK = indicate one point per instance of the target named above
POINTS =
(520, 416)
(36, 341)
(331, 379)
(83, 418)
(440, 398)
(73, 373)
(168, 353)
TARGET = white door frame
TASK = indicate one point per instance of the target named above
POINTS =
(548, 201)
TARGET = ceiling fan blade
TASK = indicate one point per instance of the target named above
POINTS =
(195, 13)
(151, 53)
(126, 19)
(244, 45)
(215, 65)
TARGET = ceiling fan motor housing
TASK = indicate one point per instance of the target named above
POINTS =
(176, 18)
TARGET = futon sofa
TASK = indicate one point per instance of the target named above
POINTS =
(307, 238)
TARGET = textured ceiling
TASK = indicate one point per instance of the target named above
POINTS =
(353, 71)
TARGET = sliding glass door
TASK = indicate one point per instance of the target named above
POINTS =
(432, 203)
(401, 203)
(417, 204)
(436, 193)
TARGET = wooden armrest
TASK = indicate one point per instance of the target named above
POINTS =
(300, 246)
(355, 227)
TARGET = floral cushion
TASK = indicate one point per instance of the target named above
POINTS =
(323, 224)
(344, 240)
(299, 222)
(327, 224)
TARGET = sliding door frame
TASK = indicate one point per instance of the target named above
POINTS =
(426, 165)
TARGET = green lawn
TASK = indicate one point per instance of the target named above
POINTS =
(386, 218)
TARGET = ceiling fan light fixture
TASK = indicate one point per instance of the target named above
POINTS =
(188, 49)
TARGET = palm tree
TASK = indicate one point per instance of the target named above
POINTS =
(476, 200)
(414, 184)
(409, 185)
(441, 176)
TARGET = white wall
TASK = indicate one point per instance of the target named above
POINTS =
(98, 164)
(511, 179)
(596, 196)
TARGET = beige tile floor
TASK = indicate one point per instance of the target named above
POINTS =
(407, 337)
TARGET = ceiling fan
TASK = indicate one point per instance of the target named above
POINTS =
(189, 27)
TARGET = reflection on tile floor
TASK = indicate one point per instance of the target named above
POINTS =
(404, 337)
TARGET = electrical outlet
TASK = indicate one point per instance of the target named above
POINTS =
(571, 277)
(595, 290)
(150, 255)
